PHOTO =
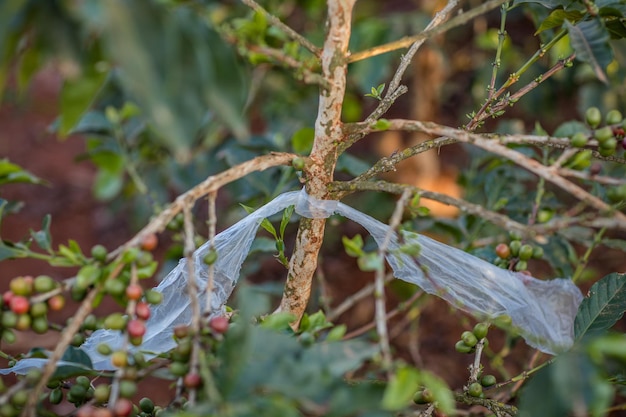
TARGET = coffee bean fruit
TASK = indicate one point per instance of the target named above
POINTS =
(613, 117)
(593, 117)
(475, 389)
(480, 330)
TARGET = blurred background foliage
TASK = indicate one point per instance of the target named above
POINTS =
(165, 93)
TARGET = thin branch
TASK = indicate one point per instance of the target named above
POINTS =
(209, 185)
(211, 269)
(303, 73)
(391, 314)
(273, 20)
(493, 146)
(409, 40)
(66, 338)
(498, 219)
(192, 291)
(350, 301)
(436, 22)
(379, 292)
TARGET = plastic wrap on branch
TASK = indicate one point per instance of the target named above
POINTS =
(542, 311)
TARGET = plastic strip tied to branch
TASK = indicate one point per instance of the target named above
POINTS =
(542, 312)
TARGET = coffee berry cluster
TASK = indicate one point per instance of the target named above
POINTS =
(516, 254)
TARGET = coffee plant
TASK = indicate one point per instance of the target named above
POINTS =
(190, 109)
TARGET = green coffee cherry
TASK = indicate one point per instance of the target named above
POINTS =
(593, 117)
(298, 163)
(153, 297)
(521, 266)
(423, 397)
(127, 388)
(99, 253)
(480, 330)
(102, 392)
(115, 321)
(525, 252)
(44, 283)
(606, 152)
(544, 215)
(210, 257)
(613, 117)
(83, 380)
(475, 389)
(603, 134)
(515, 247)
(537, 252)
(179, 368)
(56, 396)
(20, 398)
(146, 405)
(461, 347)
(488, 380)
(469, 339)
(579, 140)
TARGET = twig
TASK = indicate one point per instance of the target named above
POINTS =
(501, 220)
(582, 261)
(395, 90)
(211, 269)
(501, 38)
(436, 22)
(66, 338)
(519, 158)
(211, 184)
(308, 76)
(391, 314)
(288, 31)
(350, 301)
(584, 175)
(409, 40)
(476, 367)
(192, 290)
(495, 406)
(379, 292)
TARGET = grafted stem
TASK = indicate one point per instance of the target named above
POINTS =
(323, 158)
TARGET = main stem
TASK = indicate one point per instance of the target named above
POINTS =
(321, 164)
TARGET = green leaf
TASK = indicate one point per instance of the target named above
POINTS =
(440, 390)
(604, 306)
(370, 262)
(382, 124)
(12, 173)
(616, 28)
(107, 184)
(81, 364)
(569, 128)
(285, 220)
(302, 140)
(43, 237)
(590, 40)
(401, 388)
(571, 383)
(178, 70)
(314, 322)
(557, 17)
(76, 97)
(336, 333)
(278, 321)
(550, 4)
(354, 246)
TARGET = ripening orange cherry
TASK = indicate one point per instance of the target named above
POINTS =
(134, 291)
(149, 242)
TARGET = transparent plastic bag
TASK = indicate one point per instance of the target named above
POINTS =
(542, 311)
